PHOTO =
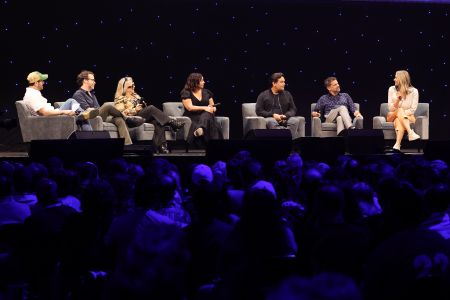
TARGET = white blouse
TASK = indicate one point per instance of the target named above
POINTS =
(409, 104)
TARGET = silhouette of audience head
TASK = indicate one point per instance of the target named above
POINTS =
(154, 192)
(47, 192)
(5, 187)
(202, 175)
(437, 198)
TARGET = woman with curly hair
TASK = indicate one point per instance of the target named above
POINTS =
(199, 107)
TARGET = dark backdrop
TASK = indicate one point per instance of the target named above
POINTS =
(235, 45)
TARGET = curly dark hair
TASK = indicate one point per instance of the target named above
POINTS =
(192, 82)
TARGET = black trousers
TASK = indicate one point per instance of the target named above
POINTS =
(159, 119)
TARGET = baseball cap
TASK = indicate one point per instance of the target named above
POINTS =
(36, 76)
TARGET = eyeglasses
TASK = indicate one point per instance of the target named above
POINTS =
(131, 87)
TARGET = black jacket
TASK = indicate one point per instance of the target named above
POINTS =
(267, 102)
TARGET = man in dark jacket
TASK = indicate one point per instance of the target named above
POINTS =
(277, 106)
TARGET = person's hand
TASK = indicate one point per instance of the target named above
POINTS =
(213, 107)
(283, 120)
(277, 117)
(138, 107)
(358, 114)
(315, 114)
(209, 109)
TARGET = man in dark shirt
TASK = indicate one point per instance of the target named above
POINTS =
(86, 97)
(277, 106)
(336, 104)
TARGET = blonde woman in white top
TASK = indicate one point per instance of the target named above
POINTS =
(402, 102)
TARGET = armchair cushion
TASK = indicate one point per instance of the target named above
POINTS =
(250, 120)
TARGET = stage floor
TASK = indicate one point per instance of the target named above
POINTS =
(181, 153)
(265, 151)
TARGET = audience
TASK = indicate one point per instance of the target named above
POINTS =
(358, 228)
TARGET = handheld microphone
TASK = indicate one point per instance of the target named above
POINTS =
(217, 104)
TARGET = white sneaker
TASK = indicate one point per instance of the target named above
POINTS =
(396, 147)
(412, 136)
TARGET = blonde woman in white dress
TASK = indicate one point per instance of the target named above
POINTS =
(403, 99)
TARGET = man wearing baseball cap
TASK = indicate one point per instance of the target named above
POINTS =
(39, 106)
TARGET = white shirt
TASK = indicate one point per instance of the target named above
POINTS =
(35, 101)
(409, 104)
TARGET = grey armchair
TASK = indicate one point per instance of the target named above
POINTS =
(252, 121)
(322, 129)
(43, 128)
(421, 127)
(176, 110)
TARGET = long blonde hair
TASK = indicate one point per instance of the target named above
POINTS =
(404, 82)
(122, 86)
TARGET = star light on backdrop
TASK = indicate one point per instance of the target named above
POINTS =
(236, 46)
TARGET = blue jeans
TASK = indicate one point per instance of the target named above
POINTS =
(85, 125)
(292, 124)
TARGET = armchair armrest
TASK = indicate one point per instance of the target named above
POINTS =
(378, 121)
(185, 130)
(224, 123)
(52, 127)
(358, 122)
(316, 127)
(253, 123)
(421, 127)
(301, 125)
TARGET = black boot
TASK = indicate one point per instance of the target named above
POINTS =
(163, 149)
(175, 124)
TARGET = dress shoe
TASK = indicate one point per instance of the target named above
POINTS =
(134, 121)
(89, 113)
(175, 124)
(412, 136)
(352, 127)
(163, 149)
